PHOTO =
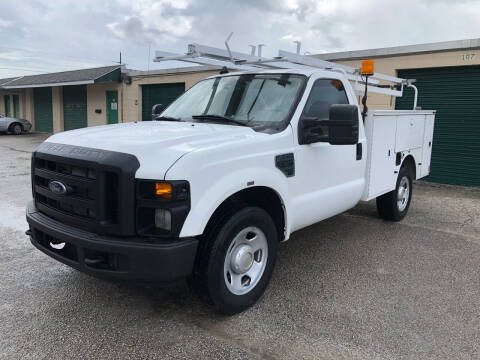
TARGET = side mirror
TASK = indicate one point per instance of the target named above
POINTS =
(157, 110)
(343, 125)
(340, 129)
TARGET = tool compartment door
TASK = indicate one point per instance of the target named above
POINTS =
(409, 134)
(427, 146)
(380, 177)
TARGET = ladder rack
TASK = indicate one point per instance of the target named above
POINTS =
(208, 55)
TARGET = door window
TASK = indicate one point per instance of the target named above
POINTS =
(324, 93)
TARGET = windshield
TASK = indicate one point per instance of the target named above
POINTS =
(262, 101)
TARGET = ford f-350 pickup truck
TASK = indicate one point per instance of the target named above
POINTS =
(228, 170)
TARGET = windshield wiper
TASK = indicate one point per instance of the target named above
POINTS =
(167, 118)
(217, 118)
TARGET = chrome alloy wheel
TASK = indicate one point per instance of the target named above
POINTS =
(403, 193)
(245, 260)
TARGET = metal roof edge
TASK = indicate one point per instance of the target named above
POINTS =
(108, 72)
(402, 50)
(9, 81)
(87, 79)
(83, 82)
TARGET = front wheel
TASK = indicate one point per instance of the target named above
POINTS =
(236, 261)
(394, 205)
(16, 129)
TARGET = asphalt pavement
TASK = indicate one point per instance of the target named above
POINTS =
(353, 286)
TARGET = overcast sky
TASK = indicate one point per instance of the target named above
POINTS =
(46, 36)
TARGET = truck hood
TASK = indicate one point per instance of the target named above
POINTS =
(156, 144)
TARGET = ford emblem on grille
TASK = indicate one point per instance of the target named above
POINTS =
(57, 187)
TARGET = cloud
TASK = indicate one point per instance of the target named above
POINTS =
(5, 23)
(154, 22)
(54, 36)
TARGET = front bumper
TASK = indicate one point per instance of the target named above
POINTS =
(26, 126)
(113, 258)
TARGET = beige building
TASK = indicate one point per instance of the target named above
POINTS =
(64, 100)
(147, 88)
(447, 74)
(395, 60)
(89, 97)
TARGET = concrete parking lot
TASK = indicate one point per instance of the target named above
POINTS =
(353, 286)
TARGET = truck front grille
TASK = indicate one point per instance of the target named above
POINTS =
(82, 202)
(92, 201)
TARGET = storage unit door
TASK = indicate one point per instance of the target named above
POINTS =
(163, 94)
(16, 106)
(455, 93)
(74, 107)
(6, 99)
(42, 109)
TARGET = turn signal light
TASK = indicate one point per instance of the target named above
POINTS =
(163, 190)
(368, 67)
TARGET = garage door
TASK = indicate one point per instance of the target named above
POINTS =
(455, 93)
(42, 109)
(159, 94)
(74, 107)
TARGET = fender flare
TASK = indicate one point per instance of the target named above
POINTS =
(12, 124)
(411, 158)
(204, 207)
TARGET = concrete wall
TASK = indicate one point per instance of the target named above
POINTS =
(132, 94)
(28, 107)
(57, 108)
(97, 99)
(21, 103)
(2, 102)
(390, 66)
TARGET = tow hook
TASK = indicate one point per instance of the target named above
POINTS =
(95, 261)
(29, 232)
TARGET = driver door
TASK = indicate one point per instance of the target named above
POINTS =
(328, 178)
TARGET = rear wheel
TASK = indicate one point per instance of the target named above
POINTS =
(16, 129)
(394, 205)
(235, 261)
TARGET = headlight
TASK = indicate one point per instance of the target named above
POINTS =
(163, 219)
(162, 207)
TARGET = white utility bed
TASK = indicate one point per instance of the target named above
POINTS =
(392, 135)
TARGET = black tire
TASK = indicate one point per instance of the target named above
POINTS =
(16, 129)
(388, 204)
(208, 278)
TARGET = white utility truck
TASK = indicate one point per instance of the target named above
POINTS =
(226, 172)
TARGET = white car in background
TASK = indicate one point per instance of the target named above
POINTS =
(14, 125)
